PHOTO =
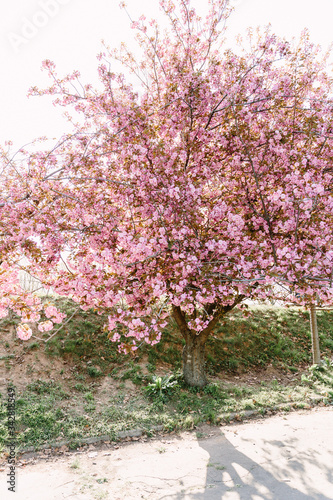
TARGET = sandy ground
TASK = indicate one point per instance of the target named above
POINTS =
(284, 457)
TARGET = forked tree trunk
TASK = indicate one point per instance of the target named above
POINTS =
(194, 361)
(194, 349)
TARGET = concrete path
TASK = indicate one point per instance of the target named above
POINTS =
(284, 457)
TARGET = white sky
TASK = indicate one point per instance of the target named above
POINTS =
(69, 32)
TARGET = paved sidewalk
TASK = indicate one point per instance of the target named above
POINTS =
(284, 457)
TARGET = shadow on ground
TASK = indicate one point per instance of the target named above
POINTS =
(233, 475)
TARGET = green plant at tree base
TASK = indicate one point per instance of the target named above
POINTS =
(162, 387)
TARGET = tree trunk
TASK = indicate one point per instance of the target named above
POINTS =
(194, 349)
(314, 335)
(194, 361)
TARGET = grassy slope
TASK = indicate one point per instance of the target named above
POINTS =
(106, 392)
(268, 335)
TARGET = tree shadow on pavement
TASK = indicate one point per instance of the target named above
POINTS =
(233, 475)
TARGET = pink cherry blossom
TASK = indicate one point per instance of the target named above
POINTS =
(45, 326)
(24, 332)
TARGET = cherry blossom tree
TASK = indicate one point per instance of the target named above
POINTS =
(207, 183)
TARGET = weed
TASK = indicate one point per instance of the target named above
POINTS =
(328, 363)
(88, 396)
(169, 425)
(94, 372)
(188, 422)
(32, 346)
(305, 379)
(100, 495)
(114, 372)
(157, 405)
(216, 466)
(134, 374)
(317, 368)
(43, 387)
(211, 416)
(151, 367)
(90, 407)
(249, 405)
(80, 387)
(162, 386)
(214, 390)
(237, 391)
(75, 464)
(114, 413)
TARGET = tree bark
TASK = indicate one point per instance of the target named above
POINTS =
(314, 335)
(194, 361)
(193, 352)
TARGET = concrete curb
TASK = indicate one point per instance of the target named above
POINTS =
(93, 440)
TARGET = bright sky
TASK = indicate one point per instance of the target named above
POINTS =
(69, 32)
